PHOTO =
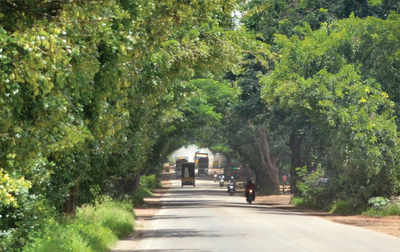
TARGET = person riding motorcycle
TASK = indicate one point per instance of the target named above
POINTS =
(251, 186)
(232, 185)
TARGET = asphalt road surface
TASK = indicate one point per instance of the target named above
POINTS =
(206, 218)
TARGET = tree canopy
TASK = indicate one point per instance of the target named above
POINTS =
(95, 94)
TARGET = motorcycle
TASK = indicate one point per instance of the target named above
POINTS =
(221, 182)
(231, 188)
(250, 196)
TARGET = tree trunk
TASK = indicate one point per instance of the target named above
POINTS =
(70, 203)
(296, 161)
(268, 162)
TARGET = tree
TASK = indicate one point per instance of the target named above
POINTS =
(84, 85)
(350, 118)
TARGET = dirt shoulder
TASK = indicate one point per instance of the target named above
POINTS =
(143, 213)
(388, 225)
(152, 204)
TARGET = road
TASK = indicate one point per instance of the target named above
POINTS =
(206, 218)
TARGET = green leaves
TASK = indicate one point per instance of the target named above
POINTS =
(92, 94)
(328, 81)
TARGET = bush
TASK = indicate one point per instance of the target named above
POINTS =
(345, 207)
(150, 182)
(140, 194)
(391, 209)
(301, 202)
(58, 237)
(93, 229)
(112, 215)
(298, 202)
(313, 188)
(378, 202)
(17, 222)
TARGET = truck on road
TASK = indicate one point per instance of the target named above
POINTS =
(179, 161)
(201, 163)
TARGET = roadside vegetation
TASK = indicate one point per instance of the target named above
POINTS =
(94, 96)
(380, 206)
(94, 228)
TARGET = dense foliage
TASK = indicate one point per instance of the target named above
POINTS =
(345, 112)
(88, 90)
(318, 89)
(96, 94)
(93, 229)
(326, 94)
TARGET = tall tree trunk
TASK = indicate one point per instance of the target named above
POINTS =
(296, 160)
(70, 203)
(269, 163)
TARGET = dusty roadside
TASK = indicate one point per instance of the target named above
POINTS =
(388, 225)
(143, 213)
(152, 204)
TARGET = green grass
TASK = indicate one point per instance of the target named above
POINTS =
(150, 182)
(390, 210)
(304, 203)
(344, 207)
(298, 202)
(140, 194)
(93, 229)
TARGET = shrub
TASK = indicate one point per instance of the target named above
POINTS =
(96, 236)
(345, 207)
(378, 202)
(391, 209)
(313, 188)
(57, 237)
(93, 229)
(25, 213)
(112, 215)
(150, 182)
(139, 195)
(298, 202)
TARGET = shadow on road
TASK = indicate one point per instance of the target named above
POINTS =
(262, 208)
(168, 217)
(175, 233)
(183, 198)
(162, 250)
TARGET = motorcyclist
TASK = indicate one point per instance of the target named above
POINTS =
(232, 183)
(221, 180)
(250, 185)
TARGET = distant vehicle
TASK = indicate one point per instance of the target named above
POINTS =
(187, 176)
(250, 191)
(202, 163)
(251, 195)
(178, 165)
(221, 180)
(231, 188)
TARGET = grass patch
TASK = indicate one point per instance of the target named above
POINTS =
(390, 210)
(150, 182)
(298, 202)
(305, 203)
(140, 194)
(93, 229)
(344, 207)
